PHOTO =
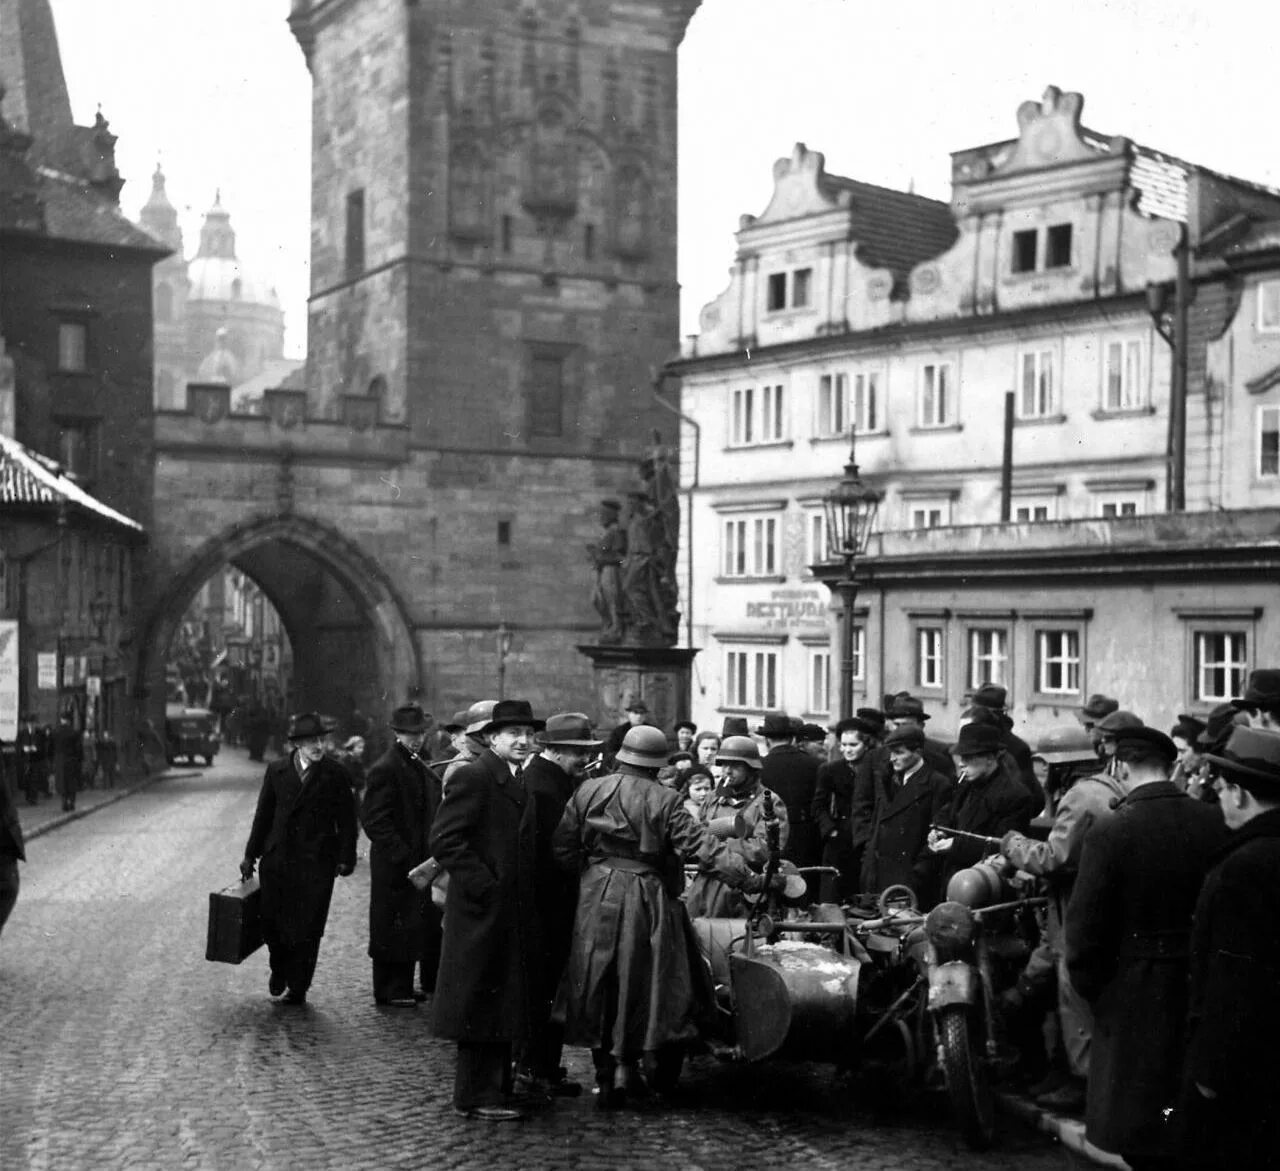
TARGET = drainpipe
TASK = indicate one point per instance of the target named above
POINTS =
(1178, 390)
(658, 380)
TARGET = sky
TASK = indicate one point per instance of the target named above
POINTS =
(220, 96)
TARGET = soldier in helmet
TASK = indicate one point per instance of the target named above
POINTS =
(740, 792)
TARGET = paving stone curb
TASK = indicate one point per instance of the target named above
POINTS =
(29, 834)
(1069, 1131)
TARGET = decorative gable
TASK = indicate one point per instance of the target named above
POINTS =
(800, 188)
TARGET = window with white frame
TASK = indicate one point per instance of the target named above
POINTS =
(988, 655)
(833, 403)
(73, 346)
(1221, 664)
(1034, 508)
(1035, 384)
(1269, 441)
(928, 514)
(1115, 504)
(757, 415)
(819, 697)
(749, 546)
(751, 677)
(742, 415)
(816, 538)
(866, 407)
(859, 654)
(1269, 306)
(788, 290)
(1058, 662)
(773, 419)
(1123, 386)
(929, 656)
(937, 395)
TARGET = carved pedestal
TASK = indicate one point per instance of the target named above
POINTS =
(658, 675)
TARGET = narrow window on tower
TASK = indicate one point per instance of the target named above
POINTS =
(508, 231)
(355, 232)
(504, 532)
(546, 395)
(589, 241)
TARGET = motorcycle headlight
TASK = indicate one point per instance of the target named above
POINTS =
(950, 927)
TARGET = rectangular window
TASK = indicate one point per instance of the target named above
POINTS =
(78, 450)
(1035, 508)
(816, 548)
(1269, 441)
(751, 678)
(788, 290)
(546, 395)
(988, 656)
(589, 241)
(1221, 664)
(1024, 250)
(859, 653)
(1114, 508)
(1123, 388)
(73, 346)
(750, 546)
(1269, 306)
(777, 291)
(1058, 246)
(772, 414)
(1035, 385)
(929, 656)
(819, 699)
(355, 232)
(742, 416)
(926, 517)
(866, 401)
(508, 232)
(801, 279)
(936, 398)
(1058, 662)
(833, 392)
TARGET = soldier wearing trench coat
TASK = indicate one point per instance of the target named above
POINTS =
(304, 830)
(401, 798)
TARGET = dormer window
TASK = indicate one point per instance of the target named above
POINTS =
(1031, 254)
(1058, 250)
(1024, 250)
(789, 290)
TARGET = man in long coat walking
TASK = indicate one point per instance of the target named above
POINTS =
(792, 773)
(304, 830)
(485, 837)
(1127, 934)
(401, 798)
(1232, 1066)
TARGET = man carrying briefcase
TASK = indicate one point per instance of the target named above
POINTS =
(304, 831)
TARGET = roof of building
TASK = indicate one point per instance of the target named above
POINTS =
(75, 210)
(896, 229)
(28, 478)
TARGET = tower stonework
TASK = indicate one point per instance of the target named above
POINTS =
(494, 262)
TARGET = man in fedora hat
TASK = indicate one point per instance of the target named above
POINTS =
(485, 837)
(904, 710)
(1127, 935)
(991, 701)
(304, 831)
(568, 746)
(792, 773)
(401, 798)
(1233, 1044)
(1261, 698)
(637, 713)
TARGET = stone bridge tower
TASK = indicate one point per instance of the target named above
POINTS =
(493, 284)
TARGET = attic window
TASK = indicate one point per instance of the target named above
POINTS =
(1058, 252)
(1024, 251)
(777, 291)
(789, 290)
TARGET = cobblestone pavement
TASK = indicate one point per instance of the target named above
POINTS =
(120, 1046)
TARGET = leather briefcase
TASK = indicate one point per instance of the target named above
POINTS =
(235, 923)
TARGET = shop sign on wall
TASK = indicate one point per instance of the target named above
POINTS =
(789, 609)
(47, 670)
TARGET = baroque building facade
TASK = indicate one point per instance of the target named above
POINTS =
(1051, 554)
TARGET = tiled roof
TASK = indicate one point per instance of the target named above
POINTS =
(896, 229)
(73, 210)
(27, 477)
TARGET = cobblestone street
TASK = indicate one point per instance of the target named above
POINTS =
(123, 1047)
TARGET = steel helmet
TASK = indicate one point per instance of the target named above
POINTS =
(741, 748)
(644, 746)
(1070, 742)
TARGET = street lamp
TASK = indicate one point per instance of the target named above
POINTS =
(851, 508)
(503, 641)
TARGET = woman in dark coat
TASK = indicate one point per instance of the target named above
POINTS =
(485, 837)
(400, 801)
(304, 830)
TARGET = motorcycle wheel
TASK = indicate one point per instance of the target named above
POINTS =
(966, 1078)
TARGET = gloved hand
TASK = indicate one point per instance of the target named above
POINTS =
(246, 869)
(345, 869)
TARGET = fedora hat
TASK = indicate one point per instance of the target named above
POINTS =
(1253, 753)
(734, 726)
(510, 712)
(976, 739)
(1188, 728)
(570, 730)
(409, 718)
(1219, 724)
(811, 734)
(776, 726)
(636, 704)
(1261, 690)
(908, 737)
(1099, 705)
(644, 747)
(991, 695)
(1118, 721)
(1143, 739)
(904, 707)
(478, 715)
(305, 726)
(457, 722)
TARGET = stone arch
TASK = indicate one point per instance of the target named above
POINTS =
(398, 667)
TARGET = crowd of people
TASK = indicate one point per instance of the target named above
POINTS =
(537, 884)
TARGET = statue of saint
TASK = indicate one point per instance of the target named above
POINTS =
(607, 554)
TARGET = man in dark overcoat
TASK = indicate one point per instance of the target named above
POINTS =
(911, 797)
(904, 710)
(1127, 938)
(401, 798)
(485, 837)
(304, 831)
(989, 800)
(1230, 1107)
(792, 774)
(551, 777)
(12, 851)
(67, 746)
(33, 768)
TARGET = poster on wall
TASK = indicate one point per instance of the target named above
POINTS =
(47, 671)
(8, 679)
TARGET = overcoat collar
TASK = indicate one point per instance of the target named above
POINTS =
(1265, 825)
(500, 773)
(903, 797)
(1153, 791)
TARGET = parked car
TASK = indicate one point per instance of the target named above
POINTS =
(190, 732)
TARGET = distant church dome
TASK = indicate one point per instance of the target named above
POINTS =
(215, 274)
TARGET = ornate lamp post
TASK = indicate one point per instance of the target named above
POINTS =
(851, 508)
